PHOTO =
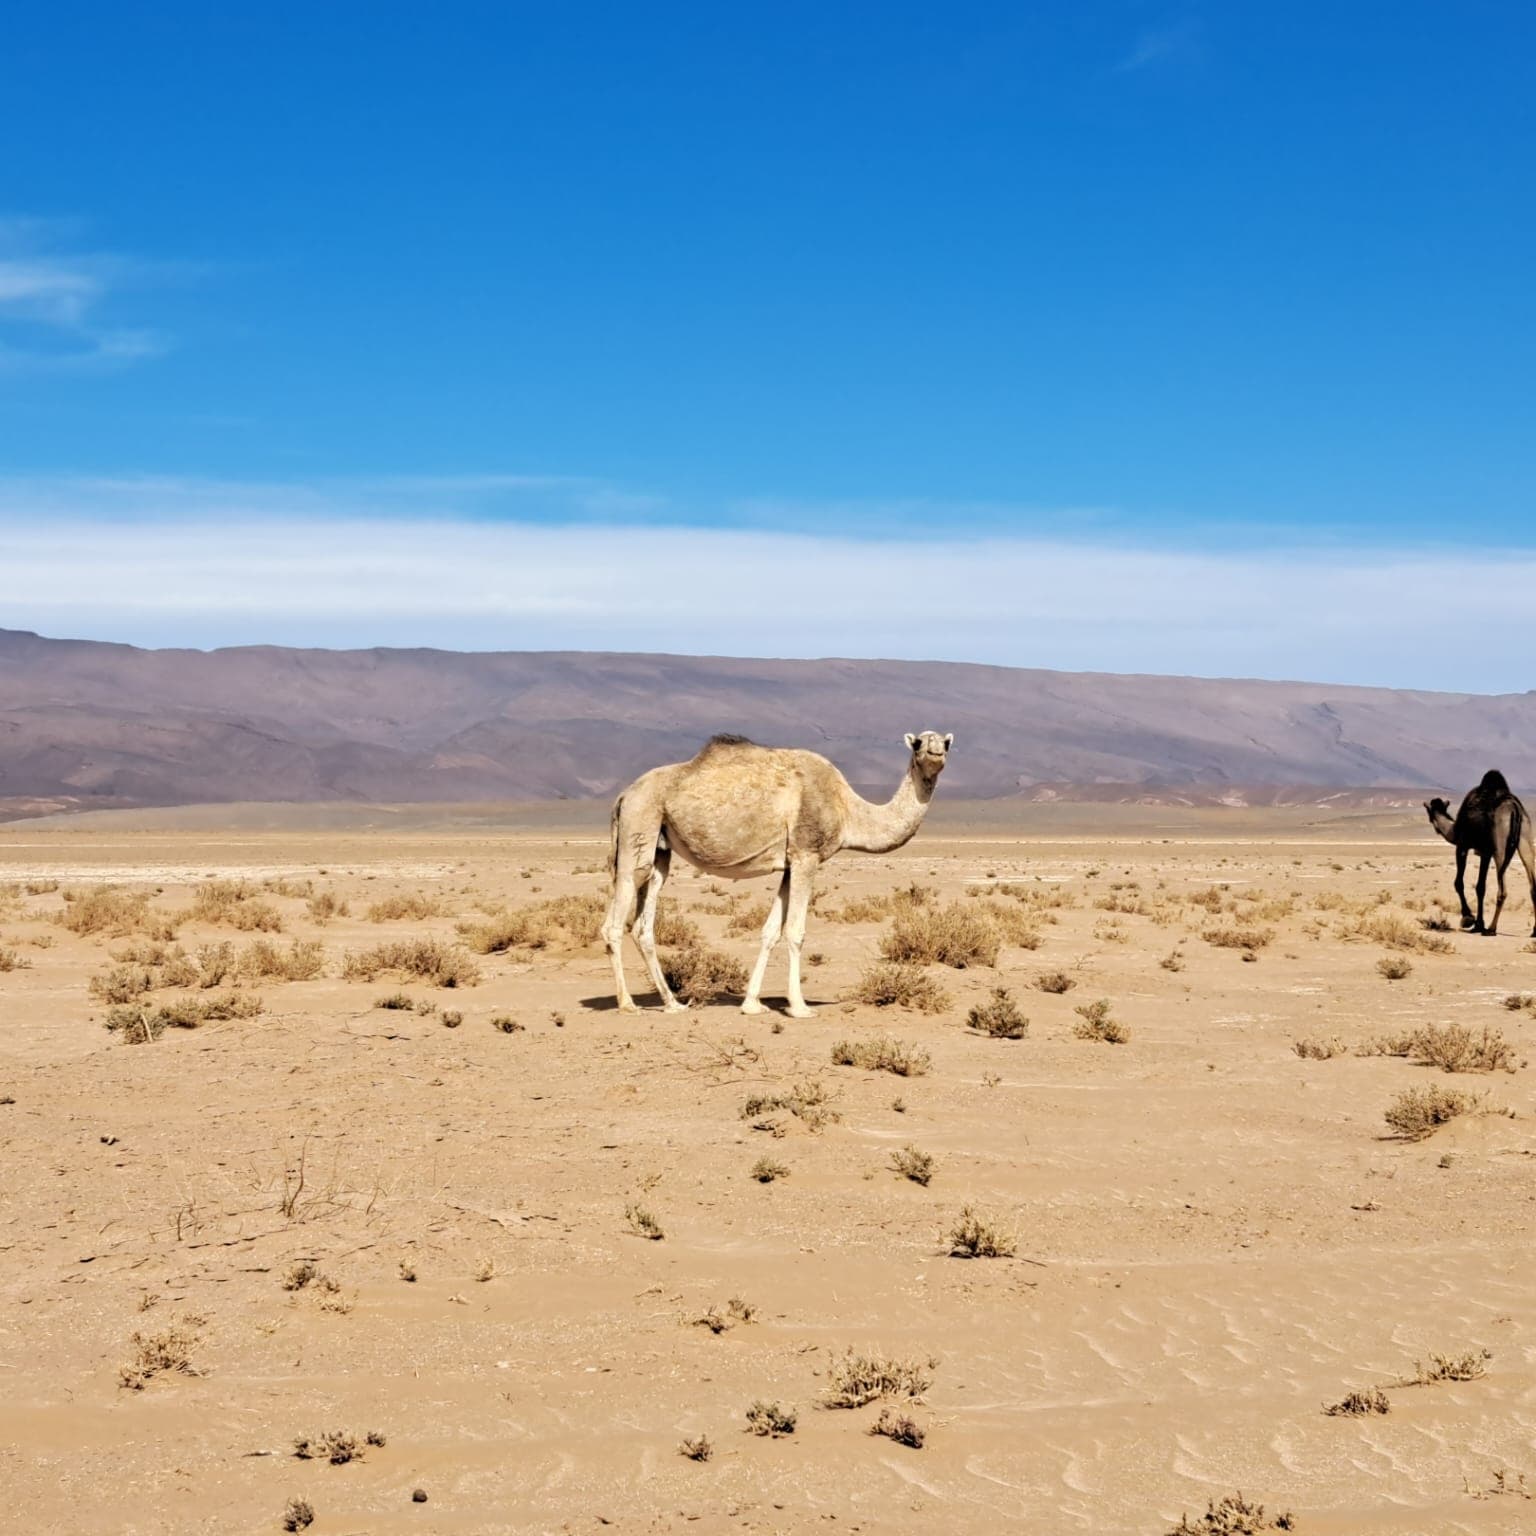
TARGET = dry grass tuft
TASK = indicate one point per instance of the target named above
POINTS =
(1233, 1516)
(697, 1449)
(894, 984)
(1318, 1049)
(430, 960)
(299, 1515)
(1095, 1023)
(771, 1419)
(642, 1223)
(912, 1164)
(234, 904)
(262, 960)
(404, 904)
(1235, 937)
(999, 1017)
(335, 1446)
(1394, 931)
(1455, 1048)
(765, 1170)
(1054, 981)
(807, 1102)
(900, 1427)
(157, 1354)
(107, 910)
(698, 974)
(1467, 1367)
(875, 909)
(956, 936)
(1419, 1112)
(1358, 1404)
(1395, 967)
(855, 1380)
(138, 1023)
(327, 905)
(882, 1055)
(974, 1237)
(563, 922)
(11, 961)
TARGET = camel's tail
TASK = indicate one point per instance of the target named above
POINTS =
(613, 839)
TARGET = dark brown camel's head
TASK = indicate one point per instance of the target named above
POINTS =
(1439, 812)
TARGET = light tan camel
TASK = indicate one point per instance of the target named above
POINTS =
(739, 810)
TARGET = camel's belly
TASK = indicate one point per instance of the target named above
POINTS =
(714, 861)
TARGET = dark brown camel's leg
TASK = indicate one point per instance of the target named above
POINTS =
(1500, 864)
(1527, 859)
(1482, 887)
(1467, 919)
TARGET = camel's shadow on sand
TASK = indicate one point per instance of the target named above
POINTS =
(650, 1002)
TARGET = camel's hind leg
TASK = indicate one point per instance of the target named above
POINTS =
(645, 929)
(1528, 858)
(1467, 920)
(772, 929)
(1482, 889)
(633, 853)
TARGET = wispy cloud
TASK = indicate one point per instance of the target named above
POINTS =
(53, 298)
(313, 565)
(1157, 45)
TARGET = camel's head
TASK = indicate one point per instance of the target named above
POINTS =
(930, 751)
(1439, 813)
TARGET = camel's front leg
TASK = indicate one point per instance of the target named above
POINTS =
(1499, 866)
(1467, 920)
(772, 928)
(645, 930)
(802, 881)
(1530, 873)
(1482, 888)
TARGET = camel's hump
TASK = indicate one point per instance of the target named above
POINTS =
(1494, 783)
(726, 739)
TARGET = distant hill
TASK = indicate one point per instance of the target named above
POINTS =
(84, 724)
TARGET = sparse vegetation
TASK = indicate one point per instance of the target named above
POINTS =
(400, 1002)
(1232, 1516)
(771, 1419)
(138, 1024)
(956, 936)
(1360, 1403)
(404, 904)
(1395, 967)
(699, 974)
(882, 1055)
(896, 984)
(1455, 1048)
(1465, 1367)
(299, 1515)
(806, 1101)
(157, 1354)
(1054, 981)
(1419, 1112)
(901, 1428)
(642, 1223)
(335, 1446)
(1317, 1049)
(856, 1379)
(1095, 1023)
(697, 1449)
(1233, 937)
(564, 922)
(999, 1017)
(912, 1164)
(326, 906)
(106, 910)
(765, 1170)
(11, 961)
(234, 904)
(1173, 961)
(973, 1236)
(427, 959)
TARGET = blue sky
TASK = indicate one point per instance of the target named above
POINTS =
(1137, 282)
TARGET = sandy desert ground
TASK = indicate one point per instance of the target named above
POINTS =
(421, 1222)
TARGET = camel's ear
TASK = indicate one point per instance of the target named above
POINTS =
(911, 741)
(949, 741)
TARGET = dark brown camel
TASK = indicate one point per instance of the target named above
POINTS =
(1493, 824)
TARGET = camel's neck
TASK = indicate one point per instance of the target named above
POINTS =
(880, 828)
(1443, 824)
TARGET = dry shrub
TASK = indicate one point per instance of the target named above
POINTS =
(807, 1102)
(1394, 967)
(11, 961)
(1172, 961)
(974, 1237)
(1467, 1367)
(1358, 1404)
(121, 984)
(1419, 1112)
(234, 904)
(1318, 1049)
(745, 920)
(696, 1449)
(855, 1380)
(1518, 1002)
(955, 935)
(893, 984)
(882, 1055)
(999, 1017)
(40, 887)
(335, 1446)
(1017, 927)
(771, 1419)
(1394, 931)
(157, 1354)
(699, 974)
(765, 1170)
(642, 1223)
(563, 922)
(326, 905)
(138, 1023)
(1233, 1516)
(1095, 1023)
(262, 960)
(900, 1427)
(1388, 1045)
(107, 909)
(299, 1515)
(912, 1164)
(1238, 937)
(1455, 1048)
(1054, 981)
(875, 909)
(431, 960)
(403, 904)
(675, 931)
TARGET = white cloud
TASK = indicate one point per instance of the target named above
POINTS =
(228, 564)
(50, 303)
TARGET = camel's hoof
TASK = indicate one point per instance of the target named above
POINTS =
(673, 1007)
(801, 1013)
(1489, 933)
(753, 1008)
(628, 1008)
